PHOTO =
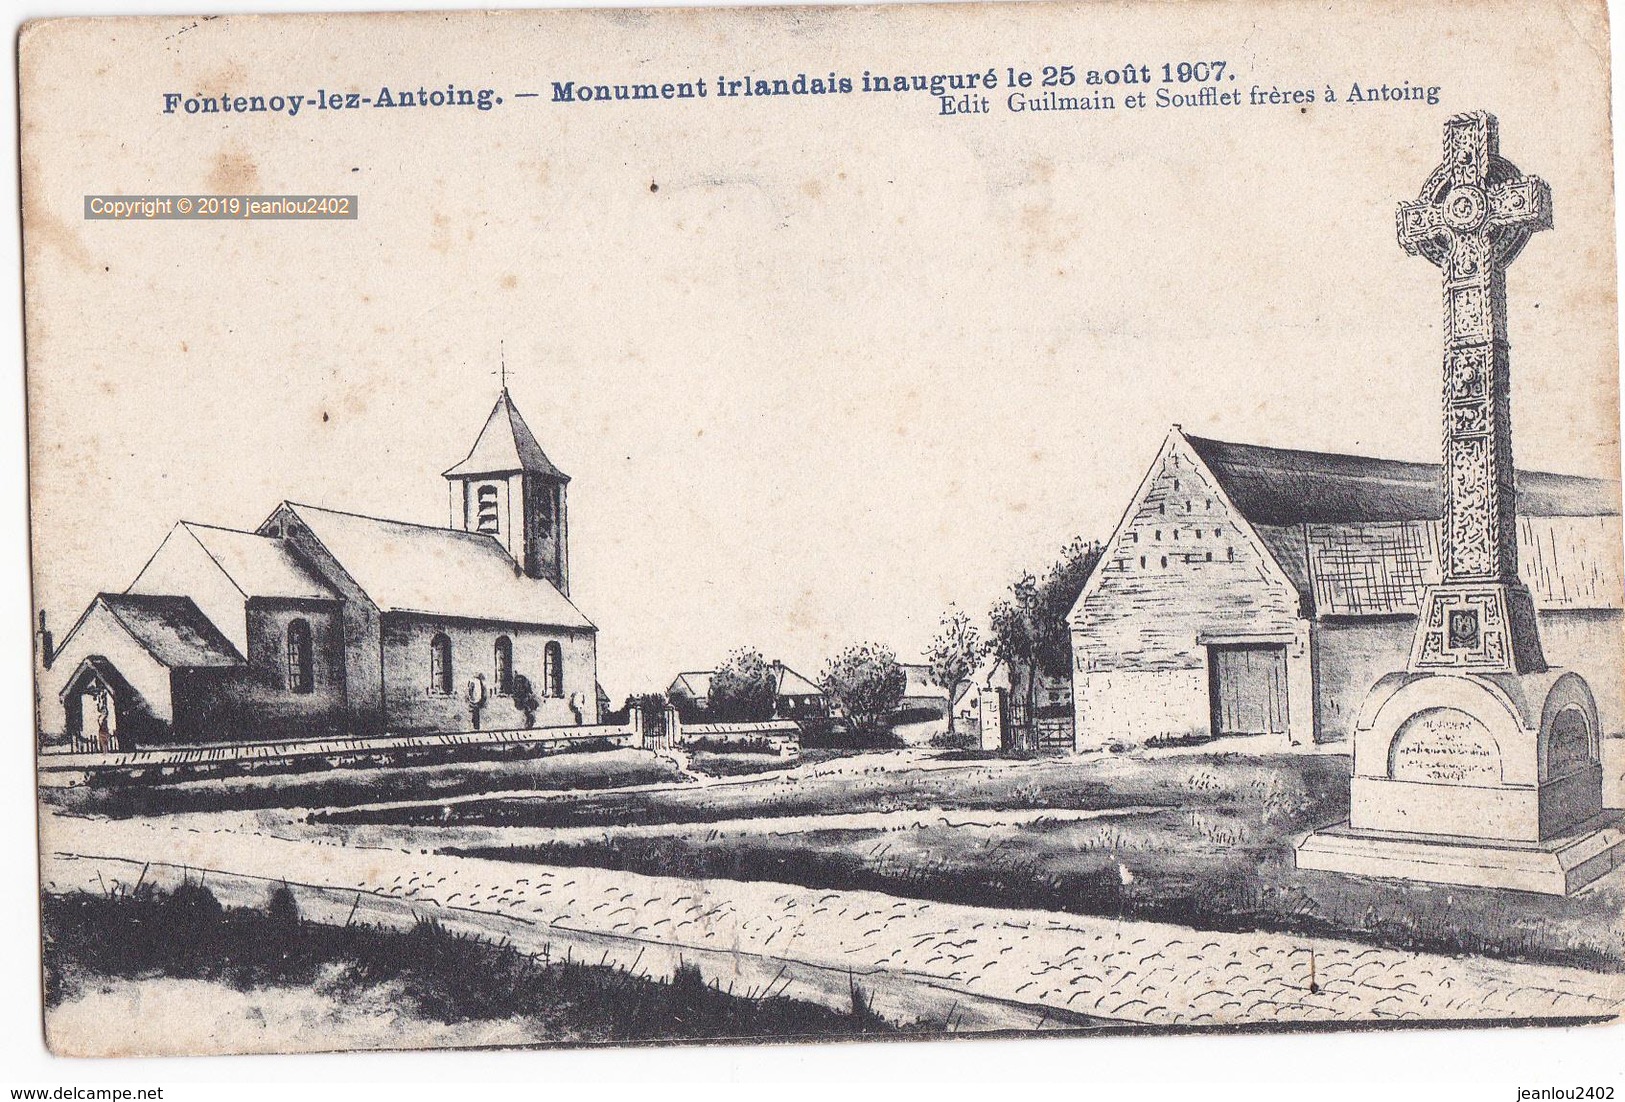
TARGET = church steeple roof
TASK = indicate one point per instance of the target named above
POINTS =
(506, 445)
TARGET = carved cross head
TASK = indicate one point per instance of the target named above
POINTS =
(1476, 211)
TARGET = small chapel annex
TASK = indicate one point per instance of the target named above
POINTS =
(1252, 590)
(321, 623)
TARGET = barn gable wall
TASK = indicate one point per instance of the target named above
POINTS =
(1181, 570)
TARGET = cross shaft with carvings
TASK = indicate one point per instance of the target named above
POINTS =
(1474, 215)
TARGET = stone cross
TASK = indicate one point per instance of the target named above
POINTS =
(1473, 217)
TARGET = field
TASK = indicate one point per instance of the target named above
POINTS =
(347, 787)
(1199, 839)
(1149, 888)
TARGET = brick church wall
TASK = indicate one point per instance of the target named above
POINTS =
(256, 704)
(411, 706)
(362, 626)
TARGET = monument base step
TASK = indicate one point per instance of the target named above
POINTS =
(1559, 866)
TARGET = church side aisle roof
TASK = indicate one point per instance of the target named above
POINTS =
(259, 565)
(171, 629)
(1282, 486)
(436, 571)
(506, 445)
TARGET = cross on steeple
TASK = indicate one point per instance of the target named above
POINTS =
(1474, 215)
(502, 357)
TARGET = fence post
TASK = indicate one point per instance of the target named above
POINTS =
(674, 726)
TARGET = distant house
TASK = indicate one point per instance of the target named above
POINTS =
(1263, 591)
(795, 697)
(922, 714)
(691, 691)
(922, 693)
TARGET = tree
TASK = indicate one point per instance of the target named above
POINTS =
(743, 689)
(867, 683)
(954, 654)
(1029, 628)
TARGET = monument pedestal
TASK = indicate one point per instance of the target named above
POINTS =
(1491, 780)
(1557, 866)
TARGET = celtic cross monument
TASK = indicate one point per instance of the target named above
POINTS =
(1476, 764)
(1474, 216)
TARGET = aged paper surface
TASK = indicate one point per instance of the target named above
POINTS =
(599, 527)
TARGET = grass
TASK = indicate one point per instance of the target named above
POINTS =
(1209, 846)
(347, 787)
(708, 745)
(824, 784)
(426, 972)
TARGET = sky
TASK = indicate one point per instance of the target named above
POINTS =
(820, 367)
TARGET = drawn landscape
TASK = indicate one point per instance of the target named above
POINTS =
(1309, 740)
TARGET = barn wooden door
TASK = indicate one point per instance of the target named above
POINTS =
(1248, 689)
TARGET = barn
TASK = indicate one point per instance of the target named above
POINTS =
(1262, 591)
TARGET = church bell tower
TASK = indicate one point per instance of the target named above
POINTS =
(508, 489)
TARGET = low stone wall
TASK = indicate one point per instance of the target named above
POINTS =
(783, 735)
(203, 760)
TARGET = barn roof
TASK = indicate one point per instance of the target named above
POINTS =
(790, 683)
(696, 684)
(436, 571)
(171, 629)
(1282, 486)
(506, 446)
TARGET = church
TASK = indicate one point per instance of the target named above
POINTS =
(322, 623)
(1262, 591)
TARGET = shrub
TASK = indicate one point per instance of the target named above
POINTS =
(956, 740)
(743, 689)
(282, 908)
(525, 699)
(1182, 738)
(868, 684)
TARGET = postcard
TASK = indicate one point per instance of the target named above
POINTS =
(615, 526)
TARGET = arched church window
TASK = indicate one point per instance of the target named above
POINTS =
(440, 665)
(301, 668)
(485, 517)
(553, 669)
(549, 507)
(504, 666)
